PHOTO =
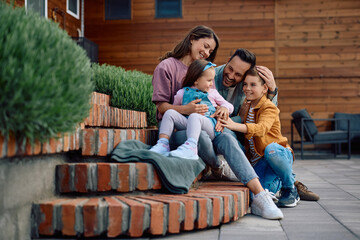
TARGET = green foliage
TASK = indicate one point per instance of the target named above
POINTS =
(128, 89)
(45, 78)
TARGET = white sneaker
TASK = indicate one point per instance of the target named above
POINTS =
(224, 172)
(273, 196)
(263, 205)
(161, 148)
(185, 151)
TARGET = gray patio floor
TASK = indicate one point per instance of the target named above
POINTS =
(335, 216)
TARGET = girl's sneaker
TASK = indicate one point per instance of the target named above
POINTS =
(263, 205)
(185, 151)
(161, 148)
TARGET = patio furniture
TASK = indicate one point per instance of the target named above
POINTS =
(354, 124)
(309, 134)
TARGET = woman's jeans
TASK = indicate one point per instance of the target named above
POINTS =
(275, 168)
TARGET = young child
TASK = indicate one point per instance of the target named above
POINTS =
(197, 84)
(267, 150)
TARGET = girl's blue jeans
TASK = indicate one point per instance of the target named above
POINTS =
(275, 168)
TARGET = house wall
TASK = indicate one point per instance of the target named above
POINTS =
(318, 58)
(312, 46)
(71, 24)
(138, 43)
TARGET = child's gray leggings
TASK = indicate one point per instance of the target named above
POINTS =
(193, 124)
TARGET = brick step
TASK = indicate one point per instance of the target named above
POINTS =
(213, 203)
(106, 177)
(100, 99)
(106, 116)
(11, 147)
(91, 141)
(101, 141)
(103, 115)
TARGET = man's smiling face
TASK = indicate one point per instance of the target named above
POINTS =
(234, 71)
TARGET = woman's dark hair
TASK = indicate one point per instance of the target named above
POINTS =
(255, 73)
(195, 71)
(183, 47)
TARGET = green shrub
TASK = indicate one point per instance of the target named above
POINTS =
(45, 78)
(129, 89)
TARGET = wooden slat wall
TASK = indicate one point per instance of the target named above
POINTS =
(71, 23)
(318, 58)
(138, 43)
(312, 46)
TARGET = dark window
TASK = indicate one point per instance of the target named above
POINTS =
(37, 6)
(117, 9)
(168, 9)
(72, 8)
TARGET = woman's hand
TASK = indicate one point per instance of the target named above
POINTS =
(193, 107)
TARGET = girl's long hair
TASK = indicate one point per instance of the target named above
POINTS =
(183, 47)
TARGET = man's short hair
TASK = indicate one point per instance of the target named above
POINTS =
(246, 56)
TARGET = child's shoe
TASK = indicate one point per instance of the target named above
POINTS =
(263, 205)
(162, 147)
(187, 150)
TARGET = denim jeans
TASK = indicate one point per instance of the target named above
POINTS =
(225, 144)
(275, 168)
(205, 147)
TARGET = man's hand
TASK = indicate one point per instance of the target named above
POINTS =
(221, 112)
(268, 77)
(193, 107)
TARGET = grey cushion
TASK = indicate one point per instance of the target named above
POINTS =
(330, 136)
(343, 124)
(310, 128)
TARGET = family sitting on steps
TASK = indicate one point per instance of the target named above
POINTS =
(215, 110)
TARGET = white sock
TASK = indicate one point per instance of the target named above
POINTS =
(163, 141)
(192, 142)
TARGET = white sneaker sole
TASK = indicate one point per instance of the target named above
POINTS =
(257, 211)
(165, 154)
(195, 157)
(291, 205)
